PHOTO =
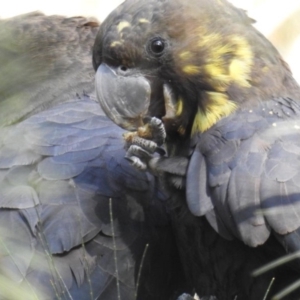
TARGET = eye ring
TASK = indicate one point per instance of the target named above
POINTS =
(157, 46)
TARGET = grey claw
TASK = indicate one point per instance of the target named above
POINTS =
(138, 151)
(155, 122)
(137, 155)
(158, 129)
(147, 145)
(136, 162)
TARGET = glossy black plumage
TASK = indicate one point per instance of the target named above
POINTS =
(230, 106)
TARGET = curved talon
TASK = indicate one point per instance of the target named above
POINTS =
(155, 122)
(138, 151)
(147, 145)
(138, 157)
(158, 130)
(136, 162)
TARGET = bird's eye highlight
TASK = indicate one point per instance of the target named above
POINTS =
(157, 46)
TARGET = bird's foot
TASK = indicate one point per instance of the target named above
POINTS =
(145, 144)
(145, 151)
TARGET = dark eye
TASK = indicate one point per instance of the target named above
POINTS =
(157, 46)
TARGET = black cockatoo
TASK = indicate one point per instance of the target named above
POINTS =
(77, 221)
(214, 112)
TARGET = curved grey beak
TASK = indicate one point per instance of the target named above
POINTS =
(123, 95)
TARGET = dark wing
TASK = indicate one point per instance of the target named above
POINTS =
(59, 170)
(43, 61)
(249, 164)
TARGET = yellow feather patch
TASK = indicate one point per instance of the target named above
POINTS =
(265, 69)
(123, 25)
(218, 106)
(179, 107)
(208, 39)
(217, 77)
(191, 70)
(184, 55)
(238, 73)
(240, 67)
(115, 43)
(143, 20)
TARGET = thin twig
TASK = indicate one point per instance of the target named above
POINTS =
(140, 270)
(115, 247)
(269, 288)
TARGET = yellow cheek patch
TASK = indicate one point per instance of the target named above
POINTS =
(218, 106)
(221, 61)
(122, 25)
(230, 63)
